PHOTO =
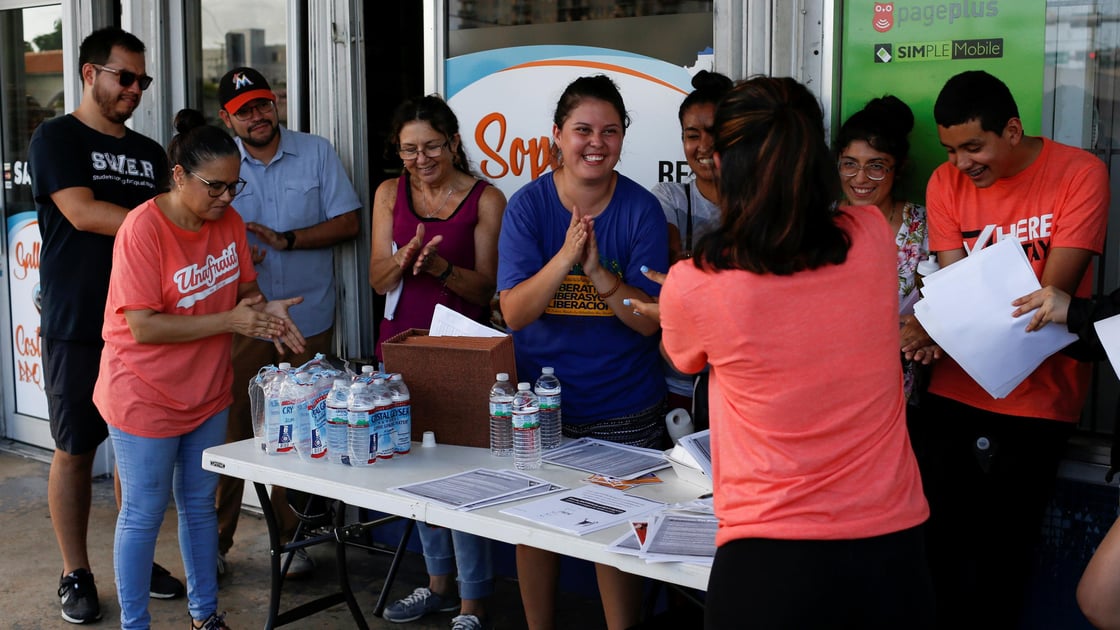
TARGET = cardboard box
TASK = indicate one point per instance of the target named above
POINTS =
(449, 381)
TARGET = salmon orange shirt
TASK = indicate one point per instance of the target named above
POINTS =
(164, 390)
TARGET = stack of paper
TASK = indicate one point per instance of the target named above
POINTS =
(607, 458)
(585, 510)
(966, 308)
(479, 488)
(683, 534)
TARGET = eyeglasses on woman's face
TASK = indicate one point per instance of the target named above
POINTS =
(217, 189)
(126, 77)
(875, 171)
(263, 107)
(431, 151)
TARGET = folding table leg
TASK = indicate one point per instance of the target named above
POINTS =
(343, 569)
(277, 580)
(398, 555)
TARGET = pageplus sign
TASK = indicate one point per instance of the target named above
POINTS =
(889, 15)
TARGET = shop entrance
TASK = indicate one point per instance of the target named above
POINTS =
(31, 76)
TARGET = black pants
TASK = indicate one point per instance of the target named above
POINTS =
(986, 506)
(878, 583)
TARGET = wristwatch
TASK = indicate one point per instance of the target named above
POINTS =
(290, 236)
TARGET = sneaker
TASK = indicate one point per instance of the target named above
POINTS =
(78, 595)
(302, 565)
(421, 602)
(213, 622)
(164, 585)
(466, 622)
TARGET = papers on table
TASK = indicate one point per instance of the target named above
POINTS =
(479, 488)
(1108, 331)
(607, 458)
(966, 308)
(449, 323)
(679, 534)
(699, 446)
(585, 510)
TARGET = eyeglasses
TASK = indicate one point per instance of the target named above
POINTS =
(126, 77)
(875, 171)
(263, 108)
(217, 189)
(431, 151)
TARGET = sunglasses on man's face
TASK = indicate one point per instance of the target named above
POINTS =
(126, 77)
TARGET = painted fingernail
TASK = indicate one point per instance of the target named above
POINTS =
(626, 301)
(645, 269)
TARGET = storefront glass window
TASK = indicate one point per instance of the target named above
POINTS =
(253, 33)
(663, 29)
(31, 74)
(508, 61)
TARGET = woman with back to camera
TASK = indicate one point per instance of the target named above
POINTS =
(571, 250)
(182, 282)
(448, 221)
(692, 207)
(872, 149)
(793, 303)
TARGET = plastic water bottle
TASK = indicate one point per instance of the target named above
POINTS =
(367, 375)
(548, 392)
(383, 420)
(279, 413)
(361, 439)
(338, 409)
(299, 391)
(526, 429)
(501, 416)
(402, 413)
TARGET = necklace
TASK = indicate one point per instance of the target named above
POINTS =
(437, 210)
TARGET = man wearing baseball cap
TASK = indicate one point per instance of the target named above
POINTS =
(298, 203)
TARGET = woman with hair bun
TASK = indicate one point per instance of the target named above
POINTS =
(182, 283)
(692, 207)
(872, 150)
(792, 301)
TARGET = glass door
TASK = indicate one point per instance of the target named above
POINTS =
(31, 91)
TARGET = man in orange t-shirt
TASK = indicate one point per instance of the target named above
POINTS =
(988, 465)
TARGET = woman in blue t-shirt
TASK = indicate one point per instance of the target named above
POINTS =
(572, 247)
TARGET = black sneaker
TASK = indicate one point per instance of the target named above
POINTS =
(78, 595)
(164, 585)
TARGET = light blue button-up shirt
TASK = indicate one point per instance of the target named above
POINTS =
(303, 185)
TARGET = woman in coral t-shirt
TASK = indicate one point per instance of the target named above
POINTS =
(182, 282)
(794, 304)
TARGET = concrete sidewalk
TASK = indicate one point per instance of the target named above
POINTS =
(30, 566)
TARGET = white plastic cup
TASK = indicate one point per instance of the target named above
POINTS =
(429, 439)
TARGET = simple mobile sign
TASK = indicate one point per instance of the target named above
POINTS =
(505, 100)
(909, 48)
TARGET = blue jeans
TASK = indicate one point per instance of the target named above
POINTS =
(470, 556)
(150, 469)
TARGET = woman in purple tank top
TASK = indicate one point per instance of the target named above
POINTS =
(435, 240)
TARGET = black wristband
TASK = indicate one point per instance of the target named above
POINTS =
(290, 236)
(446, 273)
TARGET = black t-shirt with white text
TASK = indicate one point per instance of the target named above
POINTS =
(74, 265)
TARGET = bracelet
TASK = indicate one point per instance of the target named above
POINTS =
(446, 274)
(614, 289)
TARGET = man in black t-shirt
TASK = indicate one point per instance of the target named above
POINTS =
(88, 170)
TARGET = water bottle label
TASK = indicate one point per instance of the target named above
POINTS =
(549, 402)
(526, 421)
(501, 409)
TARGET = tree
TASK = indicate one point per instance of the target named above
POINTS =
(50, 41)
